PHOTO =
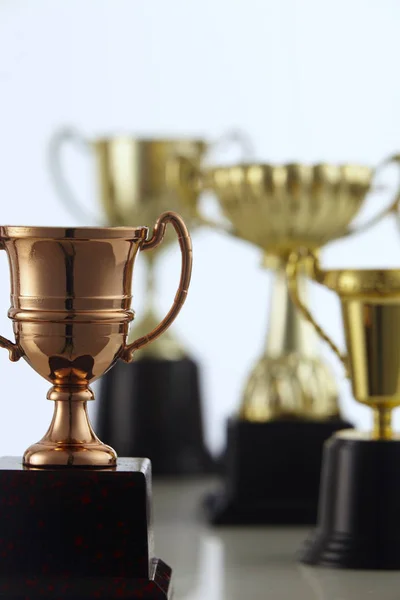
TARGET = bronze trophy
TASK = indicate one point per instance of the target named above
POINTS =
(358, 519)
(76, 521)
(290, 398)
(152, 407)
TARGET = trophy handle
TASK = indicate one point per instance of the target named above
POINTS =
(292, 271)
(195, 178)
(392, 208)
(56, 144)
(14, 351)
(186, 270)
(233, 137)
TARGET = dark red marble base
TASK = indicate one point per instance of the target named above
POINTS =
(156, 587)
(78, 533)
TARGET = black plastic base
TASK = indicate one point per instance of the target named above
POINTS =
(152, 408)
(272, 473)
(78, 533)
(359, 509)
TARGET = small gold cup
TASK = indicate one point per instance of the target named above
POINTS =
(280, 208)
(370, 302)
(71, 308)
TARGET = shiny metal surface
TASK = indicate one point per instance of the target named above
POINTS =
(289, 380)
(284, 207)
(137, 178)
(71, 308)
(280, 208)
(370, 301)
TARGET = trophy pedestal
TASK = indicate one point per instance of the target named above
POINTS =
(359, 518)
(272, 472)
(152, 408)
(78, 533)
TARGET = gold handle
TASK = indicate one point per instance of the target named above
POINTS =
(235, 136)
(392, 208)
(292, 269)
(186, 271)
(56, 144)
(14, 351)
(192, 179)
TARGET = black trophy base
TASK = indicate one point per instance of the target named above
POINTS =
(78, 534)
(359, 512)
(272, 473)
(152, 407)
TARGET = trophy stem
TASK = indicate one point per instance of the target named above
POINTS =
(382, 423)
(70, 440)
(290, 380)
(288, 331)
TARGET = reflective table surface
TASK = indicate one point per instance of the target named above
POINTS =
(240, 563)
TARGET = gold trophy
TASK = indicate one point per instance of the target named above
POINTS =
(290, 397)
(71, 308)
(136, 180)
(358, 523)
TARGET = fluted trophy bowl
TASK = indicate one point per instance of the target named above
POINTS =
(280, 208)
(71, 308)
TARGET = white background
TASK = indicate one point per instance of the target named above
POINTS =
(309, 80)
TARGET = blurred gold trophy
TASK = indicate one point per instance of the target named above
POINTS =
(290, 397)
(153, 407)
(359, 521)
(71, 309)
(135, 182)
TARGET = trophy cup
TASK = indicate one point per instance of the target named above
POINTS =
(153, 406)
(358, 519)
(75, 520)
(290, 399)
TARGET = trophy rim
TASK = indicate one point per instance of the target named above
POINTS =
(362, 282)
(286, 164)
(149, 139)
(73, 233)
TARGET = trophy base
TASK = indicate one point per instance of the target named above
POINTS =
(78, 534)
(272, 473)
(156, 587)
(152, 408)
(359, 519)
